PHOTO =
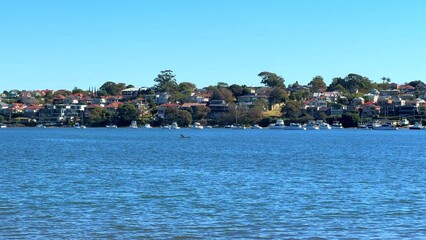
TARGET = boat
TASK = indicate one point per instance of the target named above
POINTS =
(76, 125)
(336, 125)
(147, 125)
(111, 126)
(294, 126)
(311, 126)
(417, 126)
(197, 126)
(40, 125)
(256, 126)
(133, 125)
(385, 126)
(278, 125)
(184, 136)
(238, 127)
(369, 126)
(323, 125)
(174, 126)
(2, 125)
(404, 122)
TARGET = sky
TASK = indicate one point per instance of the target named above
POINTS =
(63, 44)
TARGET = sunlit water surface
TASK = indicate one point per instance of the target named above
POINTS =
(219, 183)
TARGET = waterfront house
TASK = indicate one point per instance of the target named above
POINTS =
(163, 107)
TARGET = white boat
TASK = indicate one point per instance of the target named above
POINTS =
(174, 126)
(369, 126)
(323, 125)
(133, 124)
(76, 125)
(111, 126)
(336, 125)
(147, 125)
(294, 126)
(40, 125)
(256, 126)
(385, 126)
(238, 127)
(197, 126)
(278, 125)
(2, 125)
(404, 122)
(417, 126)
(311, 126)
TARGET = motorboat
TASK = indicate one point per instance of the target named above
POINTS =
(147, 125)
(197, 126)
(40, 125)
(111, 126)
(369, 126)
(133, 125)
(174, 126)
(404, 122)
(294, 126)
(238, 127)
(323, 125)
(311, 126)
(417, 126)
(2, 125)
(256, 126)
(336, 125)
(278, 125)
(76, 125)
(385, 126)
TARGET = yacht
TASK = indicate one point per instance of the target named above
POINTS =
(197, 126)
(385, 126)
(174, 126)
(324, 126)
(278, 125)
(40, 125)
(336, 125)
(238, 127)
(417, 126)
(256, 126)
(311, 126)
(294, 126)
(133, 124)
(147, 125)
(404, 122)
(111, 126)
(2, 125)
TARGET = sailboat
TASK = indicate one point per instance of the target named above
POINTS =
(237, 126)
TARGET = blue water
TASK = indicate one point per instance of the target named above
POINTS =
(220, 183)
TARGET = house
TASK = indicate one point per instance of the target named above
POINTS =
(112, 107)
(370, 110)
(218, 108)
(31, 111)
(88, 110)
(250, 100)
(131, 93)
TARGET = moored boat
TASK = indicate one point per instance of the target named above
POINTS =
(278, 125)
(294, 126)
(417, 126)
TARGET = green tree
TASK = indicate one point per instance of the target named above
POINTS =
(77, 90)
(112, 88)
(166, 82)
(181, 117)
(278, 95)
(317, 84)
(127, 113)
(291, 109)
(97, 117)
(272, 80)
(223, 94)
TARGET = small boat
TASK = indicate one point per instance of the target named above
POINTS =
(417, 126)
(385, 126)
(40, 126)
(238, 127)
(294, 126)
(147, 125)
(111, 126)
(76, 125)
(278, 125)
(336, 125)
(174, 126)
(323, 125)
(133, 125)
(184, 136)
(256, 126)
(311, 126)
(404, 122)
(197, 126)
(2, 125)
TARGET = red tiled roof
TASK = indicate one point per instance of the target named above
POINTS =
(169, 105)
(114, 105)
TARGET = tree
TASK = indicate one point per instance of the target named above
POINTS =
(291, 109)
(317, 84)
(97, 117)
(278, 95)
(181, 117)
(112, 88)
(166, 82)
(271, 80)
(77, 90)
(223, 94)
(127, 113)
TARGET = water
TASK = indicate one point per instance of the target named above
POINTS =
(220, 183)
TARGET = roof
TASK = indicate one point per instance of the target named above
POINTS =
(114, 105)
(187, 105)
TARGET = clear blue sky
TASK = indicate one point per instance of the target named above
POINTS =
(62, 44)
